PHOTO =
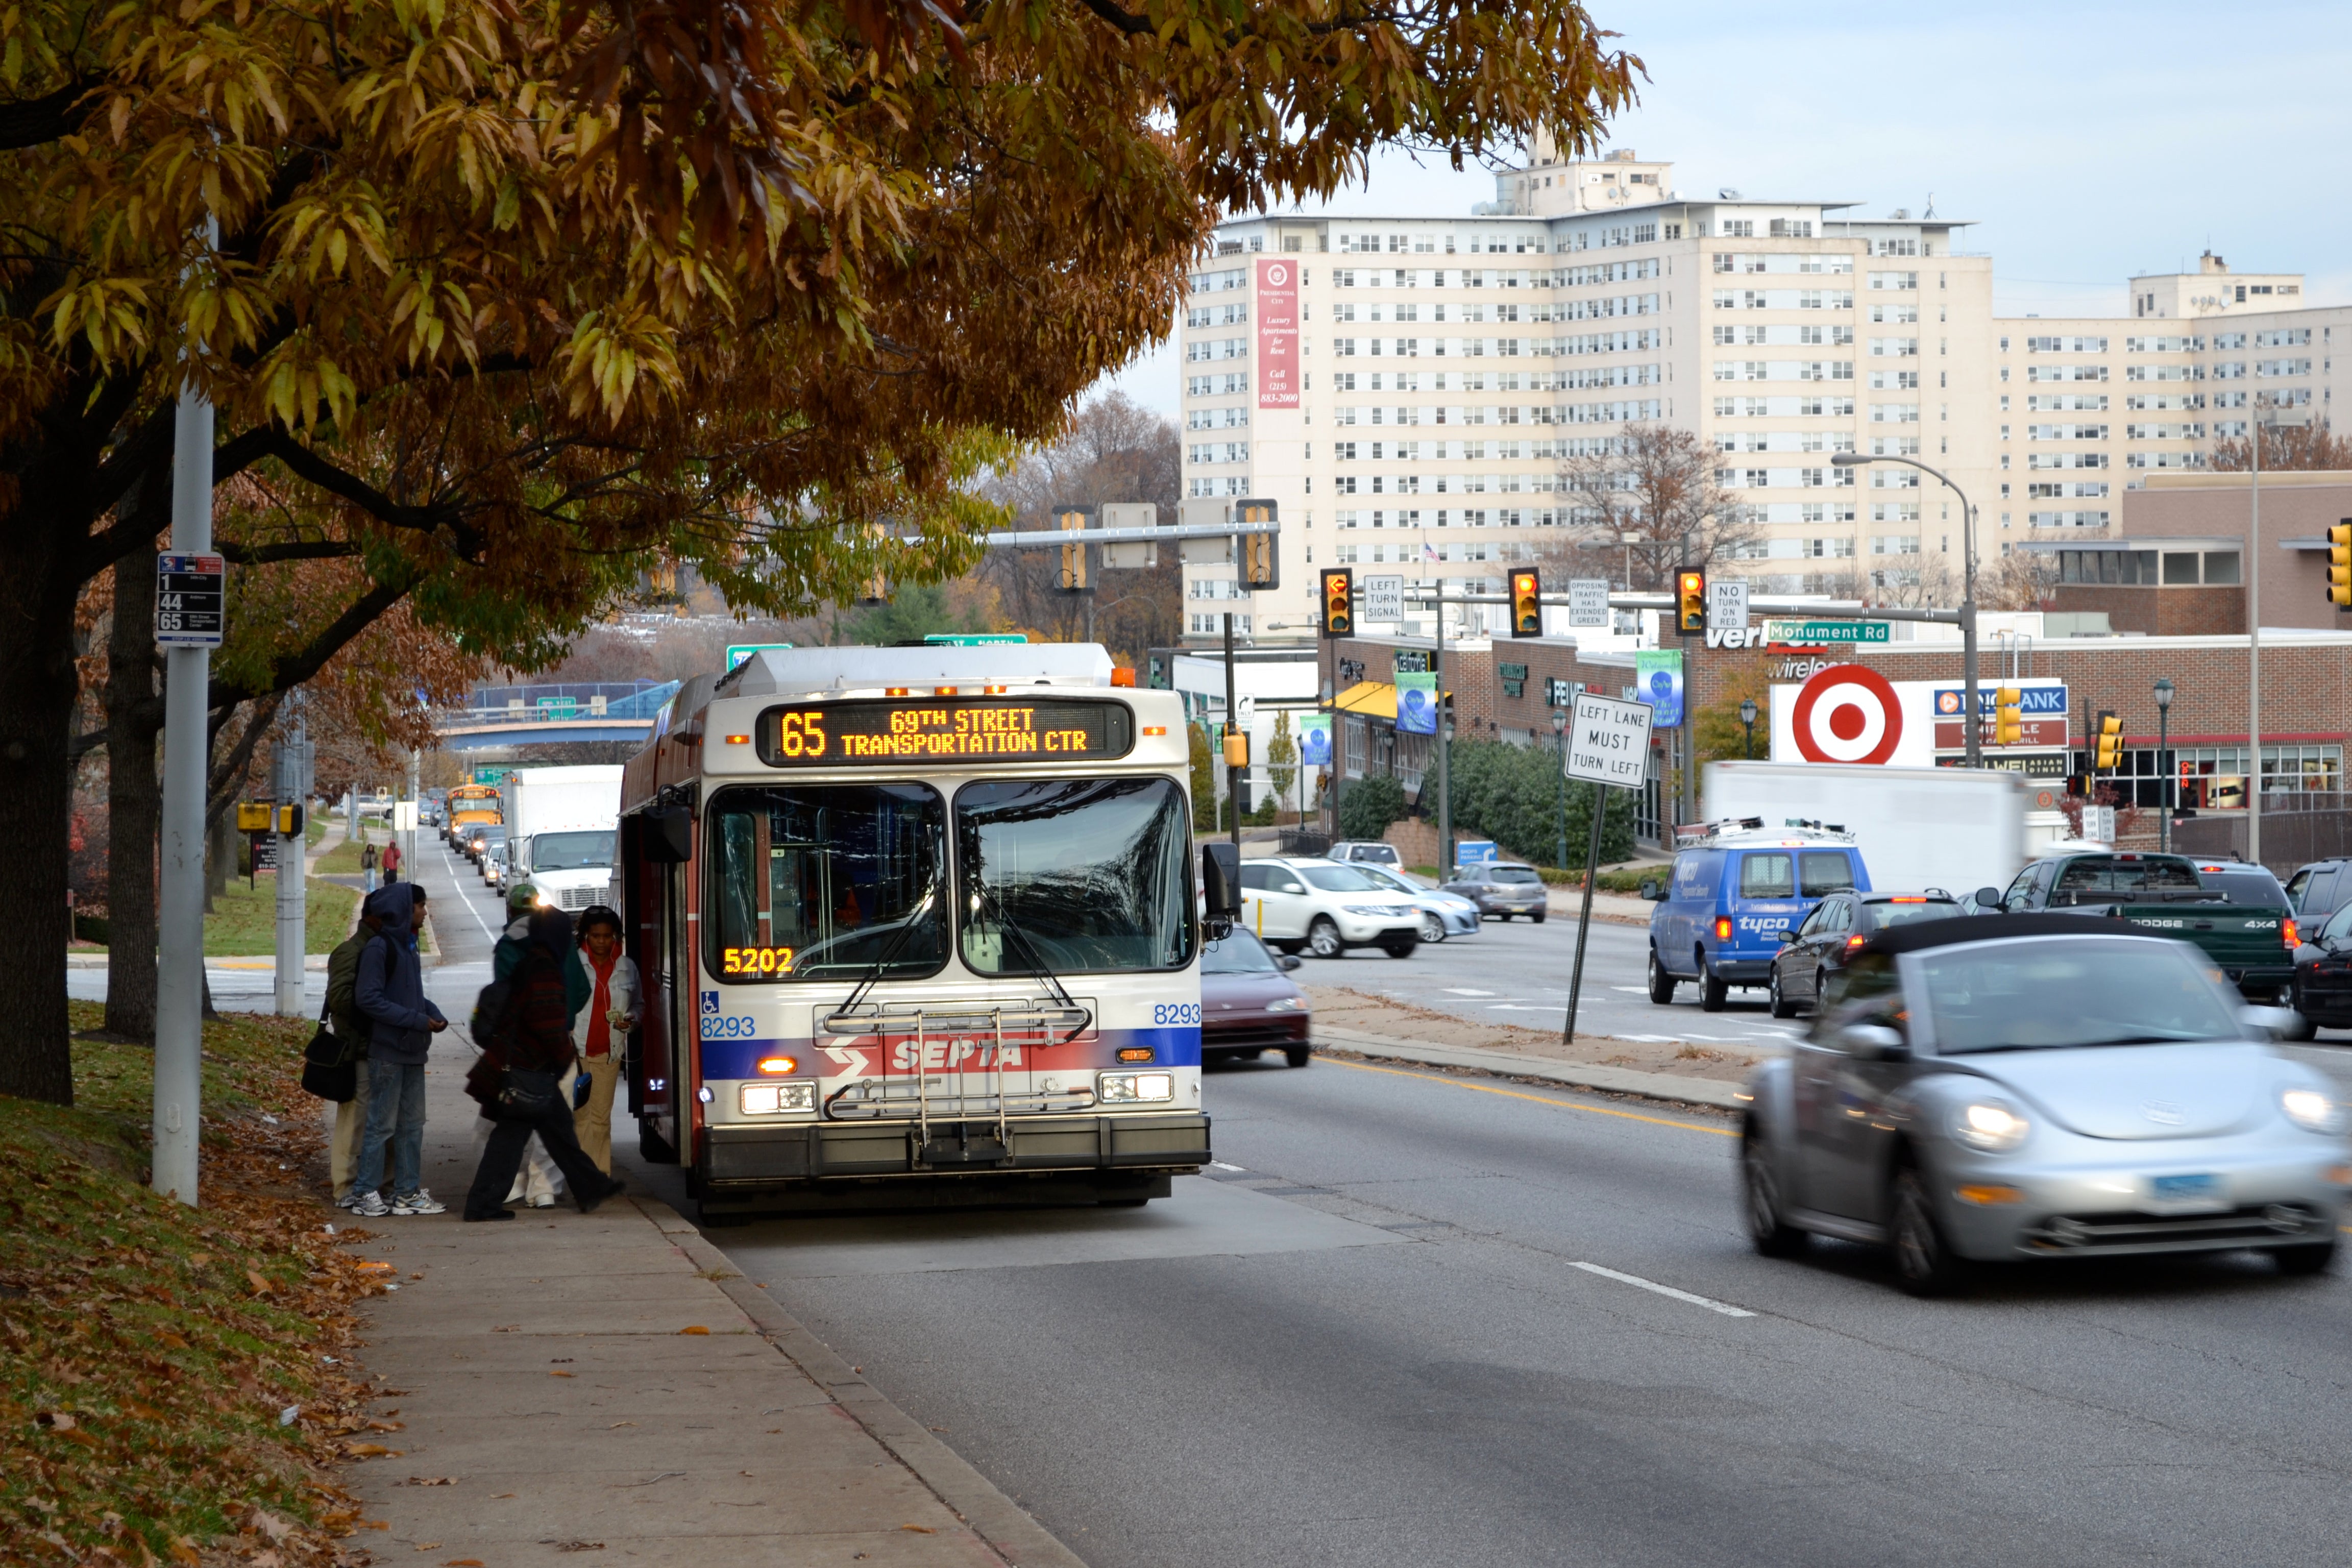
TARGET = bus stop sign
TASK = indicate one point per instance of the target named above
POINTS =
(191, 600)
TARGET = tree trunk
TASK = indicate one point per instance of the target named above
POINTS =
(37, 692)
(134, 802)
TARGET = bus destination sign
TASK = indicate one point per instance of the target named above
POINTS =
(945, 730)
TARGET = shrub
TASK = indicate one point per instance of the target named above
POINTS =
(1367, 806)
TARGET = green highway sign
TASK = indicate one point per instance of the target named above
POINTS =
(975, 640)
(738, 652)
(1816, 633)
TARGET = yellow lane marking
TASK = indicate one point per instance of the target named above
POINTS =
(1539, 1099)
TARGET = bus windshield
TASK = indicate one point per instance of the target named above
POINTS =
(587, 851)
(1073, 875)
(826, 883)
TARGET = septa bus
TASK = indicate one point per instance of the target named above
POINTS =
(916, 926)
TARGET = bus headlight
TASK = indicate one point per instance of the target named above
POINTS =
(1129, 1088)
(773, 1098)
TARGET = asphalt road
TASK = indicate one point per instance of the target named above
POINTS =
(1413, 1319)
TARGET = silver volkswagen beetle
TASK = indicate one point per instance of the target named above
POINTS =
(2034, 1086)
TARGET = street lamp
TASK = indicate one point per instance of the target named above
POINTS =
(1559, 735)
(2164, 761)
(1747, 721)
(1972, 732)
(2266, 418)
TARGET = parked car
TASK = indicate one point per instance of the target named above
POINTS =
(1249, 1004)
(2041, 1085)
(1442, 914)
(1325, 908)
(1372, 849)
(1501, 888)
(2319, 890)
(1727, 898)
(2252, 941)
(1810, 954)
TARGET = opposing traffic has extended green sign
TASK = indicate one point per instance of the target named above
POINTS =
(1815, 634)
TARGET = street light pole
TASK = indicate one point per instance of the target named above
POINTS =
(2164, 761)
(1560, 736)
(1972, 732)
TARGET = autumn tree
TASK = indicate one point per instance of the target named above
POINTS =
(1647, 505)
(513, 295)
(2284, 446)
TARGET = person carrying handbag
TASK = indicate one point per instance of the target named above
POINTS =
(519, 1078)
(352, 1030)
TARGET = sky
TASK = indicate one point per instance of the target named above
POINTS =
(2088, 142)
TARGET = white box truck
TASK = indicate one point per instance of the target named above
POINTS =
(560, 828)
(1955, 828)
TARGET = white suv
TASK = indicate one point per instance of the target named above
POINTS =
(1324, 907)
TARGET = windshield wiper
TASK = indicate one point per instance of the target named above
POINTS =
(890, 949)
(1038, 968)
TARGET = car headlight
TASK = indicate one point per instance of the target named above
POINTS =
(770, 1099)
(1370, 911)
(1288, 1005)
(2312, 1110)
(1992, 1125)
(1126, 1087)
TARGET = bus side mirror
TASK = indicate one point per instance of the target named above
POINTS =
(670, 835)
(1220, 882)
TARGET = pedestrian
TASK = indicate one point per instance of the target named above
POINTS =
(367, 861)
(350, 1027)
(602, 1027)
(391, 861)
(389, 991)
(537, 1181)
(520, 1080)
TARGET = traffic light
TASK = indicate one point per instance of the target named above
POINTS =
(2008, 716)
(1339, 603)
(1690, 602)
(1526, 604)
(1260, 566)
(1075, 576)
(2340, 562)
(2110, 747)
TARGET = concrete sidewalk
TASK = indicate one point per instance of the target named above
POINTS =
(608, 1384)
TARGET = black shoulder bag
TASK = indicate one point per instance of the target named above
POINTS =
(329, 1064)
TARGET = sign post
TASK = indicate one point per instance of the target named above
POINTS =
(1608, 745)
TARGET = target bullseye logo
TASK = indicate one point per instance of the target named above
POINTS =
(1847, 713)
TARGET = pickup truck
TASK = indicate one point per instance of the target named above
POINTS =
(2251, 942)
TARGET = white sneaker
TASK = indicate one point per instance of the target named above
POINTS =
(542, 1203)
(418, 1202)
(370, 1206)
(347, 1200)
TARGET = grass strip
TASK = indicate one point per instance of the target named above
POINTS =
(244, 922)
(174, 1382)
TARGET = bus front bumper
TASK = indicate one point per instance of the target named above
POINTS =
(746, 1160)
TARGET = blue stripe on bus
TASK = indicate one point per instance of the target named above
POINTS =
(735, 1058)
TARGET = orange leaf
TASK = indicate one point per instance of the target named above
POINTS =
(920, 1529)
(696, 1329)
(260, 1284)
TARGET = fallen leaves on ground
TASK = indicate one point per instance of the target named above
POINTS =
(148, 1351)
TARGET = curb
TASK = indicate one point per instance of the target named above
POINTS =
(1000, 1522)
(1716, 1094)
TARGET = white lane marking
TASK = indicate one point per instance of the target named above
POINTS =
(1519, 1008)
(1465, 990)
(1641, 1284)
(1718, 1039)
(449, 865)
(1636, 990)
(1220, 1166)
(1655, 1039)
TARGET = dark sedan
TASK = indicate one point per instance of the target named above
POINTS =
(1810, 954)
(2322, 994)
(1502, 889)
(1248, 1004)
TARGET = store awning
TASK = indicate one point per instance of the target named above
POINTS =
(1375, 699)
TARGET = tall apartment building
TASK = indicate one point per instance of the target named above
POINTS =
(1413, 398)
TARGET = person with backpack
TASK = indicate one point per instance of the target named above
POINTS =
(537, 1181)
(389, 991)
(523, 1024)
(343, 1015)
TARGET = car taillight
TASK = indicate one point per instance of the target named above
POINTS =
(2287, 930)
(1722, 929)
(1855, 940)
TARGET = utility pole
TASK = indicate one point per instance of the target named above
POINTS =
(2254, 647)
(1444, 738)
(1233, 718)
(179, 926)
(293, 883)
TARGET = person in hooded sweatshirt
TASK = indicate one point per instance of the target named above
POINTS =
(390, 993)
(537, 1181)
(530, 1045)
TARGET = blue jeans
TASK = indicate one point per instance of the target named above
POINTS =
(395, 1112)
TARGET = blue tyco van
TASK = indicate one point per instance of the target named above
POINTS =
(1721, 911)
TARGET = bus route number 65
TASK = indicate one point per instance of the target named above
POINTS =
(801, 734)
